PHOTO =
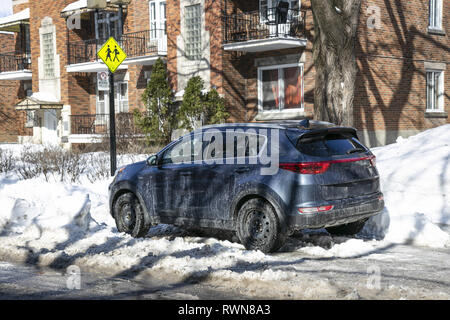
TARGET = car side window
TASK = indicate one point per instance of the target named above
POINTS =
(183, 151)
(194, 148)
(210, 150)
(245, 145)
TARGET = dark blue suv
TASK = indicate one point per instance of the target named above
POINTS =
(260, 180)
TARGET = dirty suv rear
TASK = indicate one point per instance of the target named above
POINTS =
(261, 181)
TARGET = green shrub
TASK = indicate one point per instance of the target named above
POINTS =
(199, 108)
(158, 120)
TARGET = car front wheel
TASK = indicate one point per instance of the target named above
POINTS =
(129, 215)
(258, 227)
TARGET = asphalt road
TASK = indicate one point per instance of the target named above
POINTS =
(25, 282)
(388, 272)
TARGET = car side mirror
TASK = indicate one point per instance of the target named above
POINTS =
(152, 160)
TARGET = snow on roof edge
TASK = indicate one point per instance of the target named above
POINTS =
(44, 97)
(77, 5)
(21, 15)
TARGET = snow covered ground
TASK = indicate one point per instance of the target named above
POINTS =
(56, 224)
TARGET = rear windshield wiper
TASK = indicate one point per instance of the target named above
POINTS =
(355, 150)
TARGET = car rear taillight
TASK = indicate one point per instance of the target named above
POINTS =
(373, 161)
(320, 166)
(314, 209)
(306, 167)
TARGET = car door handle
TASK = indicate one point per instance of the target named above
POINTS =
(242, 169)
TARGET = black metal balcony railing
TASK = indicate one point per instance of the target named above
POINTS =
(14, 62)
(264, 24)
(99, 124)
(134, 44)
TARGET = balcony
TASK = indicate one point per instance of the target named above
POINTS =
(271, 29)
(142, 48)
(15, 66)
(87, 128)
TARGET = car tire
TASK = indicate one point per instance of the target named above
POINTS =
(348, 229)
(258, 227)
(129, 215)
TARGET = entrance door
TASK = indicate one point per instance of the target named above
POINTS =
(49, 128)
(158, 29)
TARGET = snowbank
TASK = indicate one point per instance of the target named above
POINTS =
(415, 181)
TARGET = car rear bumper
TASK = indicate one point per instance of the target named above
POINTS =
(344, 211)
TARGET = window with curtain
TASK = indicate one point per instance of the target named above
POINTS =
(280, 87)
(292, 79)
(270, 89)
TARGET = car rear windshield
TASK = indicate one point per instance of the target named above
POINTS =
(331, 144)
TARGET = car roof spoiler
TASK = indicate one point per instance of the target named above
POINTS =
(325, 131)
(305, 124)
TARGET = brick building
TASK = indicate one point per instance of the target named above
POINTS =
(258, 57)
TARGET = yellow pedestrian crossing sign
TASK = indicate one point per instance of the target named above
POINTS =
(112, 54)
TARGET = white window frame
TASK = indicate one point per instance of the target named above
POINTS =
(158, 19)
(281, 87)
(435, 14)
(97, 102)
(436, 105)
(30, 114)
(103, 25)
(30, 118)
(118, 101)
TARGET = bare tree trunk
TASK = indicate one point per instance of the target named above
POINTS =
(335, 27)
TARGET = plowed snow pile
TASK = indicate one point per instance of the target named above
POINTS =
(56, 223)
(415, 181)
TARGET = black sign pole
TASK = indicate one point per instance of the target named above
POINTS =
(112, 125)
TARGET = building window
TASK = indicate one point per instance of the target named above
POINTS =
(435, 19)
(120, 99)
(27, 87)
(30, 114)
(280, 87)
(101, 102)
(158, 21)
(267, 7)
(193, 18)
(435, 91)
(108, 25)
(25, 38)
(49, 53)
(30, 118)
